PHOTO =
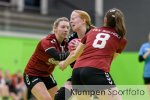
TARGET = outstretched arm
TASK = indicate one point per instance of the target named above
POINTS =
(52, 52)
(72, 57)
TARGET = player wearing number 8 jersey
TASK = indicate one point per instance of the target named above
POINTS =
(97, 50)
(101, 43)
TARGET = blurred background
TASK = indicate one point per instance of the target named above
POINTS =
(24, 22)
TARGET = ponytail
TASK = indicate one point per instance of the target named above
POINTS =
(115, 18)
(120, 25)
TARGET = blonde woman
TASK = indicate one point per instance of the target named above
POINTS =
(38, 72)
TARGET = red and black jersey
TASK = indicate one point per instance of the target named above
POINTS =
(100, 46)
(73, 36)
(38, 64)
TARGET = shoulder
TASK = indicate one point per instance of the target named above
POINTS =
(50, 38)
(145, 45)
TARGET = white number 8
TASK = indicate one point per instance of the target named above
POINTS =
(102, 39)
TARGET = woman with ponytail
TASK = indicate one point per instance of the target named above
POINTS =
(95, 54)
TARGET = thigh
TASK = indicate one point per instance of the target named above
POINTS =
(31, 81)
(76, 77)
(36, 85)
(53, 91)
(94, 76)
(96, 79)
(76, 82)
(40, 91)
(49, 82)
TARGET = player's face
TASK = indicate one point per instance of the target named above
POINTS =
(76, 22)
(63, 29)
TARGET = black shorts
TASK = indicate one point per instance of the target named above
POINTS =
(146, 80)
(31, 81)
(92, 76)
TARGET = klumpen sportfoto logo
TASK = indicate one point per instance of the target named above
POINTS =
(110, 91)
(127, 92)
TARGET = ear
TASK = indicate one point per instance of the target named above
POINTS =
(84, 20)
(55, 30)
(105, 20)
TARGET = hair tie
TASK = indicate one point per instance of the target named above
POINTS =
(113, 16)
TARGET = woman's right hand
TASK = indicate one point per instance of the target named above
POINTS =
(61, 65)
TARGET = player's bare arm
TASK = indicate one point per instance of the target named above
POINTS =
(72, 57)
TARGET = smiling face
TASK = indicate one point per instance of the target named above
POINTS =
(62, 30)
(76, 22)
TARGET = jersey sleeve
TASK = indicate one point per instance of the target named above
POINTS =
(48, 44)
(141, 51)
(122, 45)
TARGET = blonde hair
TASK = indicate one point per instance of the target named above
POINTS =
(86, 16)
(57, 21)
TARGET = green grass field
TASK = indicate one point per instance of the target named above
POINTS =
(15, 53)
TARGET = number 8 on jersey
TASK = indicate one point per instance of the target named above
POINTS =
(102, 39)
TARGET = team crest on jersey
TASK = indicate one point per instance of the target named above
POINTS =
(53, 41)
(52, 61)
